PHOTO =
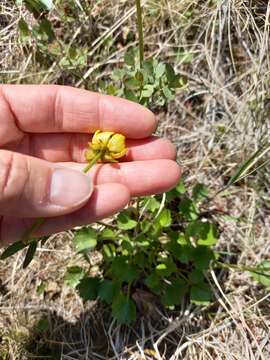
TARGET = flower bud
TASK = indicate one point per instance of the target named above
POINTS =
(111, 146)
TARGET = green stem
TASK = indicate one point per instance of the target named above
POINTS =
(36, 225)
(241, 267)
(140, 30)
(40, 221)
(92, 162)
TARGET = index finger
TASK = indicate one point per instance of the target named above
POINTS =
(55, 108)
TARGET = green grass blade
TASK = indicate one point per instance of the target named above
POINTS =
(13, 249)
(245, 168)
(30, 254)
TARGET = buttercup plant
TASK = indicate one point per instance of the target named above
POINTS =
(162, 246)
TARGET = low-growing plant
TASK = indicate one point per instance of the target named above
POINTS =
(150, 83)
(162, 246)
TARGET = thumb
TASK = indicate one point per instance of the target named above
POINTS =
(30, 187)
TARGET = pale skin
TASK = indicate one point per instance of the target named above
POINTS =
(44, 131)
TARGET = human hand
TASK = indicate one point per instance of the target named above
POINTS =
(44, 131)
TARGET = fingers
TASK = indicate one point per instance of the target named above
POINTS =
(31, 187)
(152, 148)
(140, 177)
(105, 201)
(107, 198)
(71, 147)
(54, 109)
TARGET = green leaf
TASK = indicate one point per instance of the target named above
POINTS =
(107, 291)
(199, 192)
(147, 91)
(107, 234)
(202, 231)
(74, 275)
(85, 239)
(24, 30)
(122, 270)
(180, 188)
(160, 70)
(130, 95)
(167, 93)
(118, 74)
(165, 218)
(129, 57)
(152, 280)
(245, 168)
(123, 309)
(132, 84)
(148, 67)
(88, 288)
(209, 238)
(125, 222)
(39, 5)
(41, 288)
(172, 195)
(200, 294)
(47, 4)
(202, 256)
(152, 204)
(127, 246)
(109, 251)
(139, 76)
(183, 253)
(45, 27)
(142, 241)
(13, 249)
(160, 101)
(196, 277)
(188, 209)
(42, 325)
(140, 260)
(262, 273)
(30, 253)
(170, 73)
(166, 268)
(174, 292)
(111, 90)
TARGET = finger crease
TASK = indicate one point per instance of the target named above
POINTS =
(13, 115)
(58, 111)
(122, 177)
(70, 147)
(7, 174)
(99, 112)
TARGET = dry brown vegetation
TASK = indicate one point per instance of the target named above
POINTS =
(221, 118)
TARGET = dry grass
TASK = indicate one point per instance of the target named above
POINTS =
(217, 122)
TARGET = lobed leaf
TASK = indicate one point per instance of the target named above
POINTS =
(123, 309)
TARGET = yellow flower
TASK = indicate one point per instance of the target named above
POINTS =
(107, 146)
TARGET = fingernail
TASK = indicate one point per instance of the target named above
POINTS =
(69, 188)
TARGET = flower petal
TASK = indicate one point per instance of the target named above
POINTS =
(90, 154)
(120, 154)
(101, 138)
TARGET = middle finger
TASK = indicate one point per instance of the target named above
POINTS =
(71, 147)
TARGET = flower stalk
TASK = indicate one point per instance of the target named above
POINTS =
(140, 30)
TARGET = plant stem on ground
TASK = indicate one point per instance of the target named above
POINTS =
(140, 30)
